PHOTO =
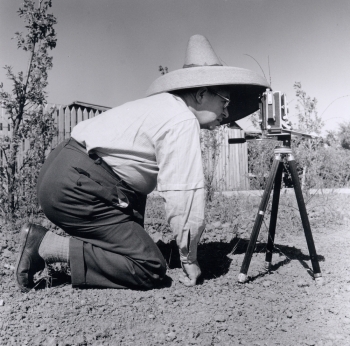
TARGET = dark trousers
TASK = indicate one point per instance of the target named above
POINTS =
(109, 246)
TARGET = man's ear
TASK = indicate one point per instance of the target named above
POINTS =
(200, 94)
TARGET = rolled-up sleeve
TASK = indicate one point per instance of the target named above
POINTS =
(185, 214)
(181, 184)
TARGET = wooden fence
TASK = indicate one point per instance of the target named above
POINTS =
(65, 119)
(231, 165)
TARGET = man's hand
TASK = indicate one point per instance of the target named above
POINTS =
(191, 273)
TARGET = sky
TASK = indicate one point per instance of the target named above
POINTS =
(109, 51)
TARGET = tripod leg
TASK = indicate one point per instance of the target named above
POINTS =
(273, 218)
(305, 219)
(258, 220)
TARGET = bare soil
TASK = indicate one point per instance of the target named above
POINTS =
(283, 307)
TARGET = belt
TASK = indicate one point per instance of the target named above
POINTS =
(98, 161)
(126, 195)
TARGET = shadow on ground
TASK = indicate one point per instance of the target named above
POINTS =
(215, 261)
(53, 277)
(214, 258)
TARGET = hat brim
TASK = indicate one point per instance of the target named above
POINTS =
(244, 101)
(246, 86)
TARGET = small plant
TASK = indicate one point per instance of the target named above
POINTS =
(31, 126)
(308, 119)
(260, 154)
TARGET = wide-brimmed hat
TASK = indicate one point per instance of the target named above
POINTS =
(203, 68)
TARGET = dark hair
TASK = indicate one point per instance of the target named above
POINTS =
(182, 92)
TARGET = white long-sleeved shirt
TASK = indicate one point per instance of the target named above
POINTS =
(155, 142)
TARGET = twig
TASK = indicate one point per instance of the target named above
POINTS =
(333, 102)
(258, 64)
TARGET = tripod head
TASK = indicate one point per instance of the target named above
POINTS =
(273, 120)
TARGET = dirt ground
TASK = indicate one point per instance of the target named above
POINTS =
(283, 307)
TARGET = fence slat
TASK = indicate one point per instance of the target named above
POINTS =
(85, 114)
(80, 115)
(60, 124)
(73, 118)
(67, 115)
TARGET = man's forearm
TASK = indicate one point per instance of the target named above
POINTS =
(185, 214)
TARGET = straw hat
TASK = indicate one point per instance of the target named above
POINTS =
(203, 68)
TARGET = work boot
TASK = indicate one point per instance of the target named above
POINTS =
(29, 261)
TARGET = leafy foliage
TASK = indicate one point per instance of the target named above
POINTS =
(308, 118)
(344, 135)
(230, 217)
(321, 162)
(211, 143)
(321, 166)
(25, 106)
(260, 158)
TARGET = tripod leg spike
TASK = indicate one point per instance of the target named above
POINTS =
(318, 279)
(242, 278)
(267, 266)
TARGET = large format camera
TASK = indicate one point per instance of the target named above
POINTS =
(273, 119)
(273, 116)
